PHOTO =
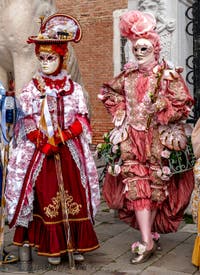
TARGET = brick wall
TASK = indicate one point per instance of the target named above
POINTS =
(95, 52)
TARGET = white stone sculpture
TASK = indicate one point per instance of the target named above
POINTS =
(165, 25)
(18, 20)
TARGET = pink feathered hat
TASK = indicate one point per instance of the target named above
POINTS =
(136, 24)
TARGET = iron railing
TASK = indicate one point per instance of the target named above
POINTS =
(195, 21)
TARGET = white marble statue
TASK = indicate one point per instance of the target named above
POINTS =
(19, 19)
(165, 25)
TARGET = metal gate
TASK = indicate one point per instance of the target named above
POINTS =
(193, 61)
(196, 55)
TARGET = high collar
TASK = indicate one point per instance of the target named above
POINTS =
(147, 68)
(63, 74)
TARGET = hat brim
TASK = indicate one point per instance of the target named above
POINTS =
(36, 40)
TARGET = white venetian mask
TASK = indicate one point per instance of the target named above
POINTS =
(143, 51)
(49, 62)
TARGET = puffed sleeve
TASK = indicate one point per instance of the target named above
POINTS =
(27, 101)
(82, 111)
(112, 94)
(176, 98)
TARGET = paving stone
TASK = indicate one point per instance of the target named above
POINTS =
(162, 271)
(110, 229)
(8, 236)
(191, 239)
(191, 228)
(110, 273)
(171, 240)
(179, 259)
(119, 244)
(59, 272)
(97, 259)
(122, 264)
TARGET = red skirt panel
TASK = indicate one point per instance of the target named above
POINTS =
(46, 231)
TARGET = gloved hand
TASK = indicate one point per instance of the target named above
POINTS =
(40, 140)
(119, 118)
(117, 135)
(37, 137)
(49, 149)
(74, 130)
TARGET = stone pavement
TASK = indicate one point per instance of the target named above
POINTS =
(114, 254)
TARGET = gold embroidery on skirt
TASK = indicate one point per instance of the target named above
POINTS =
(73, 208)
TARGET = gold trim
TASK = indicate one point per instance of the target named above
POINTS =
(69, 250)
(52, 210)
(26, 242)
(54, 254)
(21, 244)
(61, 221)
(88, 249)
(61, 252)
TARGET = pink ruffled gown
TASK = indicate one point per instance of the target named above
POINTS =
(147, 183)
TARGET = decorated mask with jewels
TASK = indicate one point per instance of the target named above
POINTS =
(49, 62)
(143, 51)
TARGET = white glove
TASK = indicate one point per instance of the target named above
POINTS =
(118, 135)
(119, 118)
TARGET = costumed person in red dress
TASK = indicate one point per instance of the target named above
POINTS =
(8, 111)
(149, 103)
(53, 136)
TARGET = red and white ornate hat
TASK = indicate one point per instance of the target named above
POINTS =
(57, 29)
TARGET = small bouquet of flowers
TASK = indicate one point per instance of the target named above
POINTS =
(110, 153)
(138, 248)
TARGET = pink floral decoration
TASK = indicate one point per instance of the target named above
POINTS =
(117, 169)
(131, 65)
(165, 154)
(134, 245)
(138, 248)
(164, 173)
(166, 170)
(136, 23)
(155, 236)
(114, 170)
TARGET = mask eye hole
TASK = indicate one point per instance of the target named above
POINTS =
(143, 49)
(50, 58)
(41, 58)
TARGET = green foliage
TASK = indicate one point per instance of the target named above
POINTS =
(188, 219)
(107, 151)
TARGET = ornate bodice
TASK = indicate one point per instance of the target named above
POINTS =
(139, 107)
(57, 100)
(150, 98)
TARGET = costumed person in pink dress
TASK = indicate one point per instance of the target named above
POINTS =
(52, 151)
(149, 103)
